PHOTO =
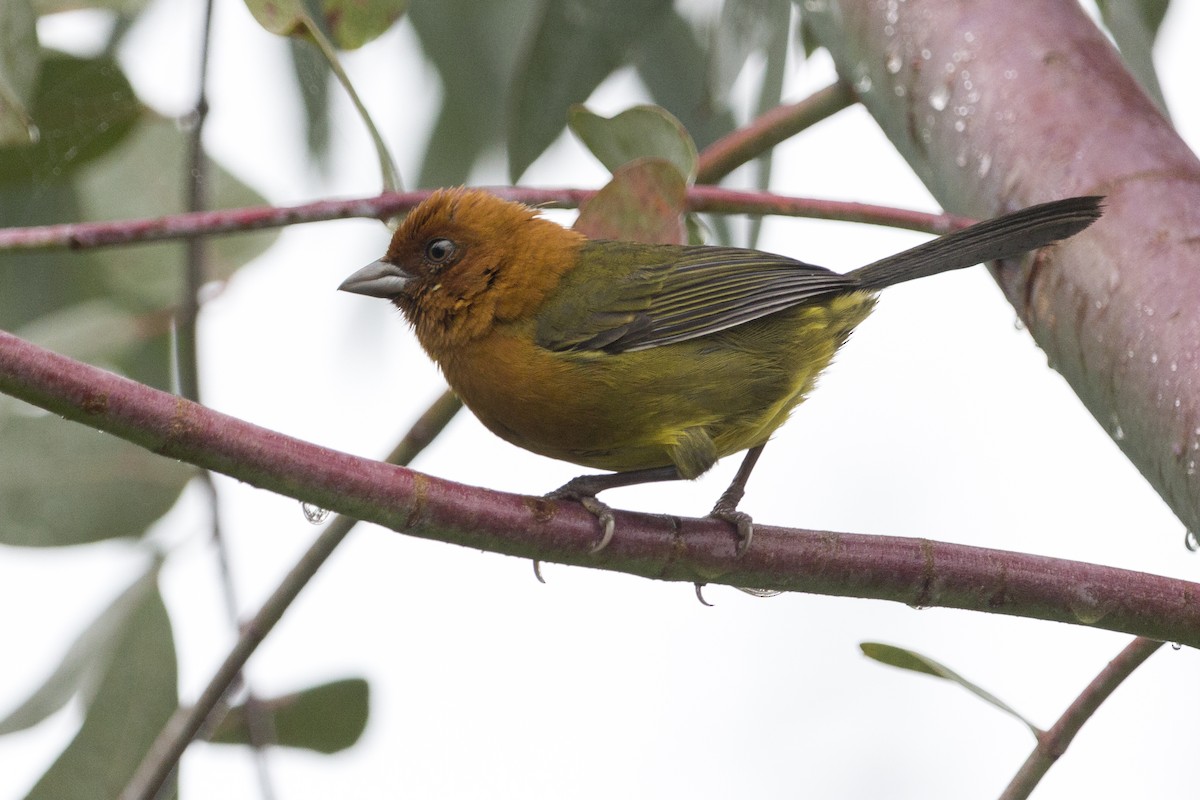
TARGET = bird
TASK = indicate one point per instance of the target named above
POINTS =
(649, 361)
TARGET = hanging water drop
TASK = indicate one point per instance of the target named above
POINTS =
(314, 513)
(1190, 541)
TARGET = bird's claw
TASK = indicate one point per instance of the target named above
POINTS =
(740, 520)
(601, 511)
(608, 522)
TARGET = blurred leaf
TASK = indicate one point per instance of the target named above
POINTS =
(19, 62)
(312, 77)
(744, 27)
(97, 331)
(82, 109)
(577, 45)
(638, 132)
(148, 277)
(120, 6)
(907, 659)
(644, 202)
(135, 698)
(803, 32)
(115, 489)
(779, 15)
(1134, 25)
(325, 718)
(674, 67)
(37, 283)
(86, 660)
(475, 90)
(349, 23)
(280, 17)
(353, 23)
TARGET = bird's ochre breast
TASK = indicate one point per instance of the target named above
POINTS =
(628, 410)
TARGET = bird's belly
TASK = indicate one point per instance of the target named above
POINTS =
(632, 410)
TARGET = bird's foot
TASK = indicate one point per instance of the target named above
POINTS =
(739, 519)
(599, 510)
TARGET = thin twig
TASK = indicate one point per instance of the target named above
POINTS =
(83, 235)
(186, 722)
(258, 724)
(745, 144)
(1054, 742)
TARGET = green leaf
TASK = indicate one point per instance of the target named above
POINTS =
(312, 77)
(19, 62)
(37, 283)
(128, 7)
(1134, 25)
(771, 92)
(149, 277)
(325, 718)
(644, 202)
(349, 23)
(910, 660)
(134, 700)
(115, 489)
(638, 132)
(744, 27)
(674, 67)
(475, 91)
(83, 665)
(82, 108)
(577, 45)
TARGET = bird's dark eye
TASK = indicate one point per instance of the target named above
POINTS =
(440, 251)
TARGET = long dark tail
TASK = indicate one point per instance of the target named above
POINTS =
(1002, 237)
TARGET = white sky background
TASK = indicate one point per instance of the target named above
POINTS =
(940, 419)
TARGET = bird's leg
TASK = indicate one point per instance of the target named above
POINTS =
(586, 487)
(726, 507)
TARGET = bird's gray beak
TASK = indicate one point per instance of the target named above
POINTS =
(377, 279)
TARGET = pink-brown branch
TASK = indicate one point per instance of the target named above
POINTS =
(997, 105)
(81, 235)
(918, 572)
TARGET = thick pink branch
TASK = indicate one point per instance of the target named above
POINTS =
(997, 105)
(914, 571)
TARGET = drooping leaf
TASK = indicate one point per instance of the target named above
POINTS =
(19, 63)
(770, 93)
(638, 132)
(349, 23)
(114, 489)
(644, 202)
(475, 91)
(82, 108)
(577, 45)
(744, 27)
(83, 665)
(1134, 25)
(907, 659)
(130, 7)
(325, 718)
(312, 77)
(135, 697)
(674, 66)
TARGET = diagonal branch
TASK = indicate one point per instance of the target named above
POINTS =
(918, 572)
(1054, 742)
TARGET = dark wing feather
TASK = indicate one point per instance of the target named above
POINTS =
(643, 296)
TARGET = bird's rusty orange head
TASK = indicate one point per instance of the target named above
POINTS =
(464, 260)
